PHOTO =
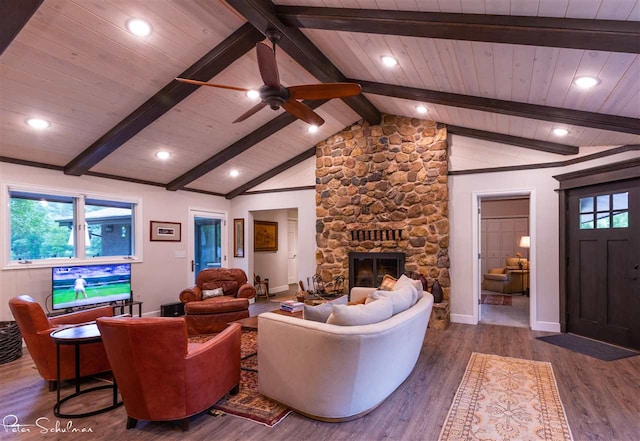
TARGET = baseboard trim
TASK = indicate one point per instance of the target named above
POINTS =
(546, 326)
(462, 318)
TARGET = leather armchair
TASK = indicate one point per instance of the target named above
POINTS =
(512, 278)
(162, 377)
(212, 314)
(36, 328)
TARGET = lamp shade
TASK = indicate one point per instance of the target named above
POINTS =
(525, 242)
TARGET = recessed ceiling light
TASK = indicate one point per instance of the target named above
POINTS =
(421, 109)
(559, 131)
(234, 173)
(139, 27)
(37, 123)
(312, 128)
(586, 82)
(253, 94)
(389, 61)
(163, 155)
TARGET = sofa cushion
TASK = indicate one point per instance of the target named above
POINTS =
(401, 299)
(354, 315)
(228, 286)
(414, 285)
(208, 293)
(216, 305)
(499, 277)
(496, 271)
(388, 282)
(321, 313)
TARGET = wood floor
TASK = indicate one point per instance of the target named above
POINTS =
(601, 399)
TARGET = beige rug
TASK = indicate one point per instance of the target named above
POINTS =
(506, 399)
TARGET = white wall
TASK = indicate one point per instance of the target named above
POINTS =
(158, 279)
(305, 203)
(273, 265)
(544, 222)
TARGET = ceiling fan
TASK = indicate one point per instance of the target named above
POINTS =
(275, 95)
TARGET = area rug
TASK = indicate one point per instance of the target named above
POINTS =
(248, 403)
(506, 399)
(592, 348)
(495, 299)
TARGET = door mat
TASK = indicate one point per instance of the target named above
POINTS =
(495, 299)
(592, 348)
(506, 399)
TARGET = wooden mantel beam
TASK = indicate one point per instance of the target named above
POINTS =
(13, 18)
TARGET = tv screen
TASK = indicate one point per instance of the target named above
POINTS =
(84, 285)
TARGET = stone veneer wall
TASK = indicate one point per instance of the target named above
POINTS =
(388, 176)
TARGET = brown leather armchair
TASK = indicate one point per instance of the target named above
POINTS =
(512, 278)
(36, 329)
(210, 315)
(162, 377)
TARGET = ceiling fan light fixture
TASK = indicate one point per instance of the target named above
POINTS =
(139, 27)
(37, 123)
(313, 128)
(253, 94)
(163, 155)
(586, 82)
(421, 109)
(560, 131)
(234, 173)
(389, 61)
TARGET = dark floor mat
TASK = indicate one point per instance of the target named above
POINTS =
(592, 348)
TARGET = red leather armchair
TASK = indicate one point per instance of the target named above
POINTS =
(36, 329)
(210, 315)
(162, 377)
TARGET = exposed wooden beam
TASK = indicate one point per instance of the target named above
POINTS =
(261, 133)
(581, 118)
(233, 47)
(15, 14)
(602, 35)
(271, 173)
(544, 146)
(261, 13)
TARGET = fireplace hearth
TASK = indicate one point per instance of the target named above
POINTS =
(368, 269)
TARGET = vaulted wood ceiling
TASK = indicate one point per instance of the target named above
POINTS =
(501, 70)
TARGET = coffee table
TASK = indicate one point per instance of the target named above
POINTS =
(252, 322)
(77, 336)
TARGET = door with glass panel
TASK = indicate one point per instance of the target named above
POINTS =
(208, 243)
(603, 262)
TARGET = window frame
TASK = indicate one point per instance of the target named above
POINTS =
(79, 220)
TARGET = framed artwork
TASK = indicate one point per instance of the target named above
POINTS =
(265, 236)
(165, 231)
(238, 238)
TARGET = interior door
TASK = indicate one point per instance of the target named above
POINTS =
(292, 251)
(603, 289)
(208, 243)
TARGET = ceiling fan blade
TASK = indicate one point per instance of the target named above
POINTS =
(324, 91)
(303, 112)
(250, 112)
(203, 83)
(267, 65)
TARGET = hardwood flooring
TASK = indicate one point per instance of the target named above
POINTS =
(601, 399)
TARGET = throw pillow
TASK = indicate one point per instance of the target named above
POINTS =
(372, 312)
(388, 282)
(401, 299)
(404, 282)
(208, 293)
(321, 313)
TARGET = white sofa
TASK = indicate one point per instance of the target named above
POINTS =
(337, 373)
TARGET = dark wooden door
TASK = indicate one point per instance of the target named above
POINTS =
(603, 236)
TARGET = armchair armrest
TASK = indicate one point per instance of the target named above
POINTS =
(191, 294)
(88, 315)
(247, 291)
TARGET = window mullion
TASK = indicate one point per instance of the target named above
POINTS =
(80, 228)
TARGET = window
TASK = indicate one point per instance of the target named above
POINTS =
(47, 226)
(604, 211)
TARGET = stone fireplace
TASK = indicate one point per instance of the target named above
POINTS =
(383, 189)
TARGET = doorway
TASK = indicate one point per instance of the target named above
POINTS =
(603, 257)
(504, 288)
(207, 235)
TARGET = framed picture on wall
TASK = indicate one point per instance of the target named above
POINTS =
(265, 236)
(165, 231)
(238, 238)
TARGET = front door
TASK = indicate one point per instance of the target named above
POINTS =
(603, 256)
(208, 244)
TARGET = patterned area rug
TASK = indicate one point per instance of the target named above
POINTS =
(506, 399)
(495, 299)
(248, 403)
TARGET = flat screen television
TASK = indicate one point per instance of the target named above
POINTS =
(85, 285)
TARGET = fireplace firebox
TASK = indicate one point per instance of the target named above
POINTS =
(368, 269)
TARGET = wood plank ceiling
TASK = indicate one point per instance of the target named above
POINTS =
(493, 69)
